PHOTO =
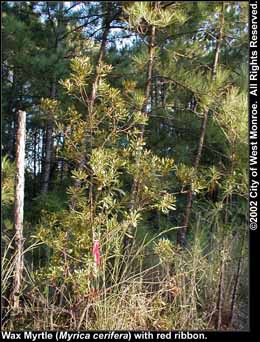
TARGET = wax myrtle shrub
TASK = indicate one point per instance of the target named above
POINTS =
(109, 139)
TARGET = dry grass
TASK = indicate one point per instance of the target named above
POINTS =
(178, 292)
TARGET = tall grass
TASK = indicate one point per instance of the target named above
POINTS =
(177, 289)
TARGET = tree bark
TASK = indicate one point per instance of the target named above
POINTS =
(35, 138)
(181, 235)
(18, 211)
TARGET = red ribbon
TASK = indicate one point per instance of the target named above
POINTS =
(96, 252)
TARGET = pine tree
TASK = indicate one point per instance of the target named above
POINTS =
(181, 237)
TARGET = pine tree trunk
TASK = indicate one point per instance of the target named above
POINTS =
(181, 236)
(18, 211)
(35, 138)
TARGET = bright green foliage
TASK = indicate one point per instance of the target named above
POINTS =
(153, 14)
(109, 139)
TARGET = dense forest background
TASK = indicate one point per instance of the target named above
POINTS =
(136, 189)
